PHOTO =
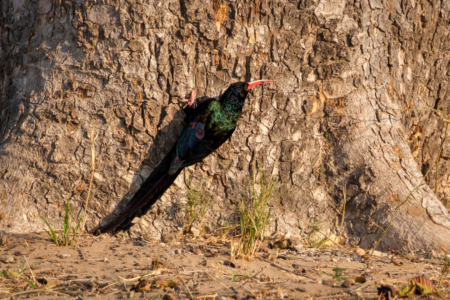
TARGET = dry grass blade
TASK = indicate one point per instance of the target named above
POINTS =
(129, 279)
(156, 272)
(344, 190)
(93, 138)
(38, 291)
(184, 284)
(32, 274)
(206, 296)
(212, 277)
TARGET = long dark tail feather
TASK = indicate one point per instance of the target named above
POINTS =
(151, 190)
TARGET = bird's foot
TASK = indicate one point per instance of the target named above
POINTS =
(191, 100)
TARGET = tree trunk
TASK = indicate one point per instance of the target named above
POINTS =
(353, 81)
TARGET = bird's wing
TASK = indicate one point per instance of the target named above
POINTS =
(195, 143)
(192, 144)
(206, 150)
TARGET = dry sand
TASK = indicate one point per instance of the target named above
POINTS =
(109, 267)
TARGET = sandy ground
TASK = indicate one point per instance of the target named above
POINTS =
(109, 267)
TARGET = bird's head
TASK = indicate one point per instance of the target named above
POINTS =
(237, 92)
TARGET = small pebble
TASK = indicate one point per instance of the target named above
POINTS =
(190, 284)
(378, 253)
(360, 251)
(356, 257)
(147, 237)
(166, 238)
(140, 243)
(328, 282)
(298, 247)
(347, 283)
(8, 259)
(169, 297)
(195, 232)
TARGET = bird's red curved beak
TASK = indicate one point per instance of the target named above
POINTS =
(252, 84)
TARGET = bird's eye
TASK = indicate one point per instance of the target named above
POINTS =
(242, 94)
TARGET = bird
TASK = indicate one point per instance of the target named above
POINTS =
(210, 124)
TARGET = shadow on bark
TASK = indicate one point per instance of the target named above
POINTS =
(153, 155)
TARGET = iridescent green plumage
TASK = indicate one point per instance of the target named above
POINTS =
(218, 119)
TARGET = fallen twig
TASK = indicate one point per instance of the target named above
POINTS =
(156, 272)
(109, 285)
(81, 253)
(364, 285)
(206, 296)
(130, 279)
(252, 277)
(38, 291)
(216, 280)
(90, 259)
(340, 294)
(184, 284)
(287, 270)
(65, 275)
(114, 292)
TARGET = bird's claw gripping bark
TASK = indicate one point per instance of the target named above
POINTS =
(191, 100)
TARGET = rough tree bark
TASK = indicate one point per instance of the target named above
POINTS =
(351, 81)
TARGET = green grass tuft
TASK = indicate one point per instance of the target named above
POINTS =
(313, 238)
(53, 235)
(69, 233)
(253, 214)
(338, 274)
(197, 204)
